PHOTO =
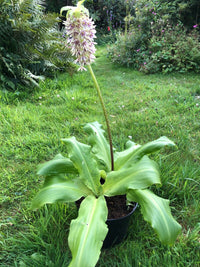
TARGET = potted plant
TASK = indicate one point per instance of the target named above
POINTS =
(95, 172)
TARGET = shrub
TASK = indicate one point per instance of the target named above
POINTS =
(173, 50)
(128, 50)
(156, 42)
(26, 49)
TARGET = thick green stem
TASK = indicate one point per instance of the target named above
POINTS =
(105, 115)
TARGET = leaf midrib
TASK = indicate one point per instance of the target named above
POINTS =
(89, 174)
(86, 234)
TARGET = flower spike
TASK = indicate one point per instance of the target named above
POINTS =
(80, 30)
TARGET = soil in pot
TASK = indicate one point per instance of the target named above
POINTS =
(117, 207)
(118, 220)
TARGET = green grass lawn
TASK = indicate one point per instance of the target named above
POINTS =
(141, 107)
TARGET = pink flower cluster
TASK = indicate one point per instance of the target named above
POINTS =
(81, 33)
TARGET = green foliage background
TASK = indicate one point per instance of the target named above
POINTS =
(29, 44)
(159, 39)
(187, 11)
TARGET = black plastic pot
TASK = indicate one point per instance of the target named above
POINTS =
(117, 229)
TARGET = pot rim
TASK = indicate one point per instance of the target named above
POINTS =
(120, 218)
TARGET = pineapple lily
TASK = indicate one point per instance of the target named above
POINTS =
(130, 172)
(81, 33)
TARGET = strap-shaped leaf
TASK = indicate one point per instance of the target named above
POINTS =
(126, 158)
(55, 179)
(87, 232)
(58, 165)
(100, 146)
(122, 157)
(81, 156)
(68, 191)
(157, 212)
(141, 175)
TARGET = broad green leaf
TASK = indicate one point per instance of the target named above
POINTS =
(132, 154)
(81, 156)
(122, 157)
(58, 165)
(100, 146)
(55, 179)
(88, 232)
(68, 191)
(141, 175)
(157, 212)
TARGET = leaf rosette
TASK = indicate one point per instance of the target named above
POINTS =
(79, 176)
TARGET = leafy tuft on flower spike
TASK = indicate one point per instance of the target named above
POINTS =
(80, 30)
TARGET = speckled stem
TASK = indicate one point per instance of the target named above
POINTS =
(105, 115)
